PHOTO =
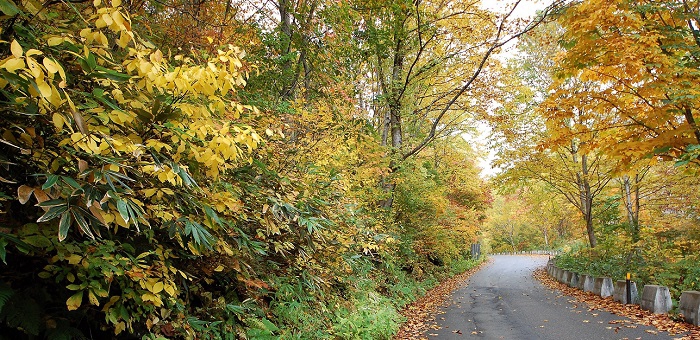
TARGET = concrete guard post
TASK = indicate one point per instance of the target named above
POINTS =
(656, 299)
(690, 307)
(560, 275)
(557, 272)
(603, 287)
(574, 280)
(581, 281)
(566, 277)
(620, 294)
(589, 284)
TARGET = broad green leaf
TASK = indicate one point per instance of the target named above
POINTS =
(9, 8)
(123, 210)
(3, 250)
(82, 223)
(64, 226)
(70, 181)
(50, 181)
(53, 212)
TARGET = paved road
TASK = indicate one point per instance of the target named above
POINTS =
(504, 301)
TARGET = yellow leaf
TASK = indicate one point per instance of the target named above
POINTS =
(93, 298)
(107, 19)
(210, 39)
(153, 298)
(116, 3)
(157, 56)
(74, 259)
(147, 284)
(58, 120)
(119, 327)
(124, 39)
(50, 65)
(170, 290)
(102, 39)
(34, 68)
(96, 2)
(109, 218)
(219, 268)
(111, 301)
(99, 23)
(75, 301)
(54, 41)
(192, 249)
(158, 287)
(33, 52)
(149, 192)
(13, 65)
(118, 19)
(44, 88)
(16, 49)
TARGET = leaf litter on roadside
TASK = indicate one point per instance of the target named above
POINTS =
(422, 313)
(637, 316)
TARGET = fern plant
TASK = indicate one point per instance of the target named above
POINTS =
(20, 311)
(6, 293)
(22, 314)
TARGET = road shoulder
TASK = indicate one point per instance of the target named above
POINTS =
(423, 311)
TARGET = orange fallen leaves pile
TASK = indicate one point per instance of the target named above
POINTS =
(662, 322)
(424, 310)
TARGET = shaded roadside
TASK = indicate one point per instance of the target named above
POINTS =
(422, 311)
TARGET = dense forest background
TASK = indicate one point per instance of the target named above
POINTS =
(298, 169)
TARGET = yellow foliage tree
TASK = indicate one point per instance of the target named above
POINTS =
(639, 60)
(124, 144)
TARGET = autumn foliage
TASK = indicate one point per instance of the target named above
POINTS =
(176, 170)
(607, 92)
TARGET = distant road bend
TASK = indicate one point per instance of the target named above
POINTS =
(504, 301)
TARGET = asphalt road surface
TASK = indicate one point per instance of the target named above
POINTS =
(504, 301)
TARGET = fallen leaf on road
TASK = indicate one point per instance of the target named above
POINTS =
(662, 322)
(425, 309)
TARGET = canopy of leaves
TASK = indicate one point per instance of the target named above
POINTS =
(177, 169)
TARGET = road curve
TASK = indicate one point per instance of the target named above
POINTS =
(504, 301)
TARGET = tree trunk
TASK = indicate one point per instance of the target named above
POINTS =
(395, 108)
(585, 196)
(545, 233)
(589, 202)
(632, 204)
(591, 235)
